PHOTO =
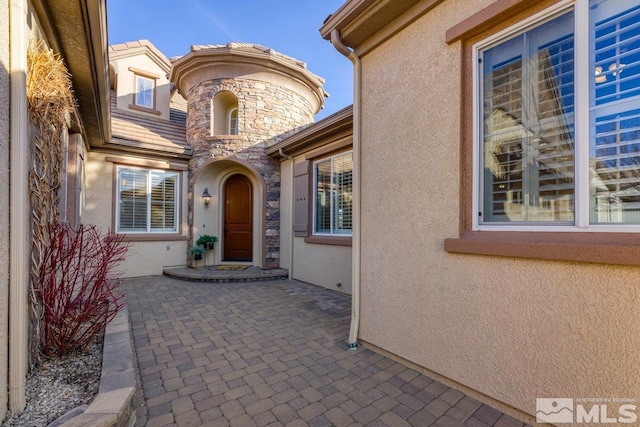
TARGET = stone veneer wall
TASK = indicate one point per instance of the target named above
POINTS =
(266, 112)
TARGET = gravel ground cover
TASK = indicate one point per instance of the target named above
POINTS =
(60, 385)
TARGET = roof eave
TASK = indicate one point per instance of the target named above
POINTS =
(359, 20)
(205, 58)
(336, 123)
(346, 14)
(77, 30)
(125, 145)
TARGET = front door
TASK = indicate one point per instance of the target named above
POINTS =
(238, 221)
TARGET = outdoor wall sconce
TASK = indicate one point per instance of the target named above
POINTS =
(206, 198)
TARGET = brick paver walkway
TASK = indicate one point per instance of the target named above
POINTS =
(274, 354)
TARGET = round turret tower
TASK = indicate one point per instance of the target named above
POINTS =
(241, 98)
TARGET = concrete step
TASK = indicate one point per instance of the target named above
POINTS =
(225, 273)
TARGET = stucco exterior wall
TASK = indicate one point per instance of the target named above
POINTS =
(4, 202)
(328, 266)
(512, 329)
(145, 257)
(319, 264)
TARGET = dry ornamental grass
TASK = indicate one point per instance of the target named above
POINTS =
(51, 101)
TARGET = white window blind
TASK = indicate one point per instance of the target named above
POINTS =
(133, 200)
(615, 106)
(163, 201)
(333, 208)
(528, 126)
(147, 201)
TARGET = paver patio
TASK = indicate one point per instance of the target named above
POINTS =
(273, 354)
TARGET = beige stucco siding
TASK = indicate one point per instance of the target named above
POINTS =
(144, 258)
(4, 201)
(513, 329)
(319, 264)
(322, 265)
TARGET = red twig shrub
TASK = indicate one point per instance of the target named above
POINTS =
(78, 287)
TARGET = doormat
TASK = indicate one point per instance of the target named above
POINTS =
(229, 267)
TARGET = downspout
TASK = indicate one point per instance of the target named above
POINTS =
(292, 206)
(19, 209)
(355, 261)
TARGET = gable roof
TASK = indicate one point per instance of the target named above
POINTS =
(129, 49)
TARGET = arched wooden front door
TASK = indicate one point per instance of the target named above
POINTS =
(238, 219)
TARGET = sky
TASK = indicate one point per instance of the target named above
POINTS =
(288, 26)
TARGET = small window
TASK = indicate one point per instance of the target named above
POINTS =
(147, 201)
(145, 89)
(543, 158)
(333, 198)
(233, 121)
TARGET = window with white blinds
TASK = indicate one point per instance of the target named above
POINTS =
(615, 109)
(333, 190)
(532, 134)
(147, 201)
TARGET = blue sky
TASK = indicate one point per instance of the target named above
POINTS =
(288, 26)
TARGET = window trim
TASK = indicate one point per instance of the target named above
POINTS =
(612, 247)
(148, 234)
(331, 237)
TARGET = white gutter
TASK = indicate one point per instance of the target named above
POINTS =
(355, 261)
(292, 207)
(19, 209)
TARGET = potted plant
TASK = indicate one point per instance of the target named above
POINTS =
(206, 241)
(197, 253)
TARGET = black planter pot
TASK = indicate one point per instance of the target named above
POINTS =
(197, 257)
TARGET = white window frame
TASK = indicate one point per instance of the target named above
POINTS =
(229, 118)
(314, 196)
(149, 173)
(582, 125)
(153, 92)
